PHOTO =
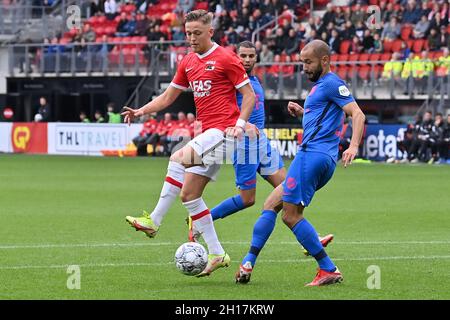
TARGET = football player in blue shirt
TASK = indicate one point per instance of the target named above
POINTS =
(324, 111)
(255, 156)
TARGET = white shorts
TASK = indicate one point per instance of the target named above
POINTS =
(214, 150)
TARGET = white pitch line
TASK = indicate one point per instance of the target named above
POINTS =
(151, 244)
(157, 264)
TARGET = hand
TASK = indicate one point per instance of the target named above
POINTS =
(130, 114)
(349, 155)
(294, 109)
(251, 130)
(235, 132)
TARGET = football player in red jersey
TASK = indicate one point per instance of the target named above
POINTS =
(214, 74)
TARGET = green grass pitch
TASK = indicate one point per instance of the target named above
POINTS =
(60, 211)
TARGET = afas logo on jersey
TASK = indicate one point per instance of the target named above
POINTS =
(201, 88)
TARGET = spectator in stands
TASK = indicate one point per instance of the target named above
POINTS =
(266, 55)
(356, 46)
(88, 33)
(377, 43)
(357, 15)
(84, 118)
(349, 31)
(232, 36)
(113, 117)
(421, 28)
(388, 13)
(404, 142)
(330, 15)
(368, 42)
(434, 40)
(339, 17)
(437, 22)
(43, 110)
(142, 24)
(334, 42)
(324, 37)
(391, 30)
(162, 130)
(110, 9)
(443, 64)
(279, 41)
(424, 9)
(99, 117)
(184, 6)
(177, 35)
(292, 44)
(147, 136)
(411, 14)
(444, 145)
(444, 38)
(121, 29)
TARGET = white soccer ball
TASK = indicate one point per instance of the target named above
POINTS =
(191, 258)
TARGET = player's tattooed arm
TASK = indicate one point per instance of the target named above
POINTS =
(358, 119)
(294, 109)
(158, 104)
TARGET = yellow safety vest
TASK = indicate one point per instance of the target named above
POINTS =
(394, 67)
(407, 67)
(443, 66)
(418, 68)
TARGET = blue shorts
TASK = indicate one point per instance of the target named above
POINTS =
(255, 155)
(309, 172)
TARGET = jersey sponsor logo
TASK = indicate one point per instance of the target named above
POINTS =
(201, 88)
(211, 62)
(343, 91)
(209, 68)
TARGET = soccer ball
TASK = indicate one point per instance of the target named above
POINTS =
(191, 258)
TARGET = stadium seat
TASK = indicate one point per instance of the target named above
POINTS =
(353, 57)
(406, 32)
(364, 58)
(364, 72)
(342, 72)
(387, 45)
(202, 5)
(396, 45)
(385, 57)
(410, 43)
(418, 45)
(345, 46)
(374, 57)
(334, 57)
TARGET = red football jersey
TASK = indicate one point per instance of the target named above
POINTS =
(213, 77)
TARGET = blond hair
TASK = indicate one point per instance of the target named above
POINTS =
(199, 15)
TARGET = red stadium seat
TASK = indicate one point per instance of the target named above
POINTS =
(396, 45)
(418, 45)
(114, 57)
(202, 5)
(343, 57)
(385, 57)
(342, 72)
(334, 57)
(353, 57)
(364, 72)
(364, 58)
(374, 57)
(410, 43)
(345, 46)
(406, 32)
(387, 45)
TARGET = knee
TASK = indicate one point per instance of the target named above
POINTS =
(248, 201)
(288, 219)
(186, 196)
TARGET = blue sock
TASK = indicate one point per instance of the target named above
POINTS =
(309, 239)
(261, 232)
(227, 207)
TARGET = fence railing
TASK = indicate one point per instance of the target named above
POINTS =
(12, 17)
(280, 80)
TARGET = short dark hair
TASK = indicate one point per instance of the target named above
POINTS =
(199, 15)
(246, 44)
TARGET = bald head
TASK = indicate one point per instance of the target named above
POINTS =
(315, 57)
(319, 48)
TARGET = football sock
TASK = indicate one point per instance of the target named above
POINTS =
(170, 191)
(261, 232)
(227, 207)
(203, 222)
(309, 239)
